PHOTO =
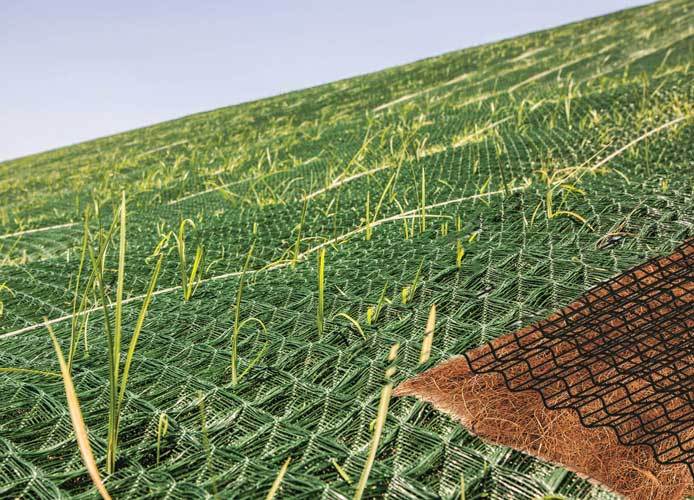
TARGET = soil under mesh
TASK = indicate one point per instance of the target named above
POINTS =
(605, 386)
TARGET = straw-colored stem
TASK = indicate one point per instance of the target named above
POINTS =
(162, 429)
(428, 340)
(297, 243)
(278, 480)
(81, 433)
(320, 319)
(383, 404)
(354, 322)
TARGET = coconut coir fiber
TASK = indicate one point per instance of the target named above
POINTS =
(604, 387)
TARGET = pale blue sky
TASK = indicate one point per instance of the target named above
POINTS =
(77, 70)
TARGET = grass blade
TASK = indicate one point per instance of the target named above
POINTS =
(425, 353)
(138, 328)
(342, 472)
(320, 318)
(262, 351)
(162, 429)
(383, 404)
(297, 243)
(114, 416)
(353, 321)
(75, 322)
(459, 253)
(278, 480)
(98, 266)
(373, 313)
(189, 283)
(237, 319)
(78, 424)
(195, 272)
(182, 261)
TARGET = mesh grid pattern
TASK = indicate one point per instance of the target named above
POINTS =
(491, 130)
(621, 356)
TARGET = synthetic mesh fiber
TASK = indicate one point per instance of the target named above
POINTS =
(621, 356)
(500, 183)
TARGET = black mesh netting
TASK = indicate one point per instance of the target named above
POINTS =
(621, 356)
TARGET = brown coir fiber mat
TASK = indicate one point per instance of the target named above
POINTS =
(604, 386)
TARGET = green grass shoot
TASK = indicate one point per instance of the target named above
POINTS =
(354, 322)
(367, 216)
(118, 383)
(567, 103)
(162, 430)
(76, 326)
(459, 253)
(373, 312)
(7, 259)
(409, 291)
(239, 324)
(299, 229)
(205, 436)
(320, 313)
(370, 218)
(342, 472)
(189, 281)
(551, 213)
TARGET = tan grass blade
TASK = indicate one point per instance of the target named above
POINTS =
(386, 394)
(425, 353)
(278, 480)
(77, 421)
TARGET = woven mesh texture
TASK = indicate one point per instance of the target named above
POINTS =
(556, 160)
(621, 356)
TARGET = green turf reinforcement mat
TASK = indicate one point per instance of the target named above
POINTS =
(606, 102)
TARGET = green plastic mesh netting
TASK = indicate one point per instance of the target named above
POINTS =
(499, 182)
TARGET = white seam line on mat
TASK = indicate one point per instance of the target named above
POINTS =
(415, 213)
(162, 148)
(239, 181)
(410, 214)
(461, 142)
(546, 72)
(37, 230)
(641, 138)
(337, 182)
(464, 140)
(427, 90)
(478, 97)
